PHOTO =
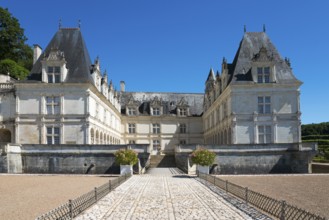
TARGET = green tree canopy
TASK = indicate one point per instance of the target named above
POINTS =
(12, 41)
(16, 71)
(315, 129)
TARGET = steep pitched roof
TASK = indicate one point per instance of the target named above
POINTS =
(170, 101)
(69, 41)
(250, 45)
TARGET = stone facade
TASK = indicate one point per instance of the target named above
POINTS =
(67, 100)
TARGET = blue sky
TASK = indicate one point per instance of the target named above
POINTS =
(169, 46)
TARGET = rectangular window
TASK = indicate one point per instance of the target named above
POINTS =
(263, 74)
(156, 145)
(131, 111)
(156, 129)
(53, 73)
(132, 142)
(264, 134)
(156, 111)
(182, 142)
(53, 135)
(52, 104)
(183, 112)
(182, 128)
(264, 104)
(131, 128)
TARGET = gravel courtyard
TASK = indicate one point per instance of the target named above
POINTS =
(28, 196)
(310, 192)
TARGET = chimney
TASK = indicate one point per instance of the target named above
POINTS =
(37, 50)
(122, 86)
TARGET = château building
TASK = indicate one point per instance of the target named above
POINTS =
(68, 99)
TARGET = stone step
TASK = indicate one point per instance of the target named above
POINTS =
(162, 161)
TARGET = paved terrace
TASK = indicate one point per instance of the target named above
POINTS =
(166, 193)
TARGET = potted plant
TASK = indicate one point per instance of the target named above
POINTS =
(126, 158)
(203, 158)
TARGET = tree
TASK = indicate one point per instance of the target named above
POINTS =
(12, 41)
(16, 71)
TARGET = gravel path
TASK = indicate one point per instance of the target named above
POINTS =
(310, 192)
(28, 196)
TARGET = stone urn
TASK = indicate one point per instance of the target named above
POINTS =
(126, 169)
(203, 169)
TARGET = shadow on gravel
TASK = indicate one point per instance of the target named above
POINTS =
(237, 203)
(181, 176)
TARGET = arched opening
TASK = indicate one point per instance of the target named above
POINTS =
(92, 136)
(101, 138)
(5, 135)
(97, 138)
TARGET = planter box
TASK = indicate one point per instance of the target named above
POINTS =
(203, 169)
(126, 169)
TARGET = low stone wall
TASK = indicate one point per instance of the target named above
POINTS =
(320, 167)
(253, 159)
(74, 159)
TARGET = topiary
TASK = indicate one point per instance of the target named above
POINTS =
(203, 157)
(126, 157)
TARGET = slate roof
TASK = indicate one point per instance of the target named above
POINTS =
(250, 45)
(169, 101)
(69, 41)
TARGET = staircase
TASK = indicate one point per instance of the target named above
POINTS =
(162, 161)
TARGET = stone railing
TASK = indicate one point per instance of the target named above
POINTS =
(6, 86)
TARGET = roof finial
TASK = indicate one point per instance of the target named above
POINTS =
(264, 28)
(244, 28)
(60, 23)
(79, 23)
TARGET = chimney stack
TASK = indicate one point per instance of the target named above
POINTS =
(37, 50)
(122, 86)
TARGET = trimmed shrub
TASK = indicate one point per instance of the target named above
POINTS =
(203, 157)
(126, 157)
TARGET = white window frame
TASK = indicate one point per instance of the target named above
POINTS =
(53, 135)
(131, 128)
(156, 128)
(183, 112)
(264, 134)
(182, 128)
(156, 144)
(156, 111)
(131, 111)
(53, 74)
(263, 74)
(53, 105)
(264, 104)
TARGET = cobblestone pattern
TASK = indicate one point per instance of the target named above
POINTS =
(167, 197)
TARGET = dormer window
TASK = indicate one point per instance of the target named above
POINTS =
(132, 111)
(263, 74)
(54, 67)
(54, 74)
(156, 111)
(183, 112)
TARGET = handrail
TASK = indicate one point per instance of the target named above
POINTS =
(76, 206)
(279, 209)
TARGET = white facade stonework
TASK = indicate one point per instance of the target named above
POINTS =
(67, 100)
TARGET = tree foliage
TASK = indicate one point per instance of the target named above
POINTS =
(315, 129)
(16, 71)
(12, 42)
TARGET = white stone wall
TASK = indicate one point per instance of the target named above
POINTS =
(169, 135)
